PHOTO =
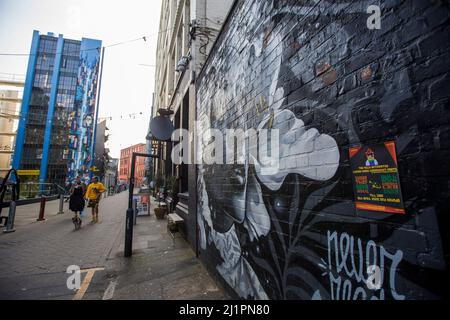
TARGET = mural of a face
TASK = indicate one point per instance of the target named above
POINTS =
(234, 191)
(265, 227)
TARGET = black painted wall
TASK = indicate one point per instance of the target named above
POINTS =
(316, 63)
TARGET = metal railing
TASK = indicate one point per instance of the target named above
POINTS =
(31, 190)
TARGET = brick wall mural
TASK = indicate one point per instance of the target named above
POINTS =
(344, 99)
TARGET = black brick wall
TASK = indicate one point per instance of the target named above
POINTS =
(318, 62)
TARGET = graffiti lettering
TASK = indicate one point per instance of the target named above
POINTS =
(344, 272)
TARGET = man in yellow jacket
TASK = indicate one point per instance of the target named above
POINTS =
(93, 194)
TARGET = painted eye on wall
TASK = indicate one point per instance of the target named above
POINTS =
(279, 205)
(239, 175)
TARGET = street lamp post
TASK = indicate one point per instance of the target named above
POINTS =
(162, 130)
(130, 211)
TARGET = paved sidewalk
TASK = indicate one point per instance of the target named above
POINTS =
(161, 267)
(26, 215)
(34, 259)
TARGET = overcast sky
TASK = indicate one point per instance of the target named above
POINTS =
(127, 86)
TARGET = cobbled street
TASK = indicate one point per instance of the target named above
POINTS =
(34, 259)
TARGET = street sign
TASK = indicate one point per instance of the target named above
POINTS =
(161, 128)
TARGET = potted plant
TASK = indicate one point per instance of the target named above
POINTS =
(172, 185)
(173, 190)
(160, 211)
(159, 181)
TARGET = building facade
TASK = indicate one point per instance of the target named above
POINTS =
(111, 174)
(362, 185)
(188, 29)
(101, 153)
(125, 164)
(57, 123)
(10, 100)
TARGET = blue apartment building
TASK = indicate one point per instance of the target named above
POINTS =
(56, 133)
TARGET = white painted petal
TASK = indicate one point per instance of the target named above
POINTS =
(305, 152)
(257, 220)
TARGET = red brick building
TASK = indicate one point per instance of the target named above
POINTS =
(125, 164)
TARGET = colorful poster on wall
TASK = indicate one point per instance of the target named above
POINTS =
(83, 116)
(376, 181)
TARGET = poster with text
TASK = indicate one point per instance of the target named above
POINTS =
(376, 181)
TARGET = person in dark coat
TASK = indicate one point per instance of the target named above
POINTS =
(76, 202)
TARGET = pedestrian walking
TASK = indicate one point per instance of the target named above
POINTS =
(76, 201)
(93, 194)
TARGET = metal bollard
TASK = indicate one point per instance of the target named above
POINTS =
(61, 204)
(135, 211)
(129, 234)
(42, 210)
(11, 216)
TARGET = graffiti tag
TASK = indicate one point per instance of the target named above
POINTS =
(358, 272)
